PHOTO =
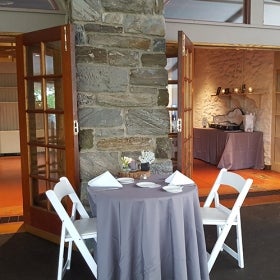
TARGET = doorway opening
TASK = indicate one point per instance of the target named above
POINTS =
(10, 189)
(11, 204)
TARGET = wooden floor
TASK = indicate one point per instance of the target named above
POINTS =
(10, 186)
(266, 185)
(265, 188)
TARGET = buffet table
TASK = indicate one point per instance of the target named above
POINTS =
(148, 233)
(228, 149)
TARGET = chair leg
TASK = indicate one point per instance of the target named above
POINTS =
(219, 230)
(69, 254)
(60, 259)
(239, 244)
(218, 246)
(87, 256)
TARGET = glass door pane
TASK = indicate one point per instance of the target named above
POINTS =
(45, 115)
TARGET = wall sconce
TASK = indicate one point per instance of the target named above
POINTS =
(236, 90)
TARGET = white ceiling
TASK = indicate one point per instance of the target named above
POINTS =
(211, 10)
(208, 10)
(43, 5)
(7, 43)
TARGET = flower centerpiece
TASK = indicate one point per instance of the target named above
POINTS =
(146, 158)
(125, 161)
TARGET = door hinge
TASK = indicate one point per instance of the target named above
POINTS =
(179, 125)
(76, 127)
(184, 46)
(65, 38)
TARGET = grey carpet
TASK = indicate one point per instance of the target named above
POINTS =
(261, 241)
(27, 257)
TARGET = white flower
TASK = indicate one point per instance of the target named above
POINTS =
(126, 161)
(147, 156)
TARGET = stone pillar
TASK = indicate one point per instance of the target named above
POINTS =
(121, 83)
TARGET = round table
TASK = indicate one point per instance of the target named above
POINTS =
(148, 233)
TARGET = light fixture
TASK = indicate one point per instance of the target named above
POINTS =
(236, 90)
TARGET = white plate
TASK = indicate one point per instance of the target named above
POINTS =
(173, 188)
(126, 180)
(147, 185)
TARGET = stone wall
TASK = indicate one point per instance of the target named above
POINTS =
(231, 68)
(121, 83)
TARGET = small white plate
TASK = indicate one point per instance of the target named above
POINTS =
(126, 180)
(147, 185)
(173, 188)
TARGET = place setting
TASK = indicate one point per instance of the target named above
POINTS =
(105, 181)
(125, 180)
(150, 185)
(176, 182)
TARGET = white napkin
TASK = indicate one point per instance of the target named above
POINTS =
(178, 178)
(104, 180)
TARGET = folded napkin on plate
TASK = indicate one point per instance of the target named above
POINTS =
(104, 180)
(178, 178)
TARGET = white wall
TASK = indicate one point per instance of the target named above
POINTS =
(226, 34)
(20, 22)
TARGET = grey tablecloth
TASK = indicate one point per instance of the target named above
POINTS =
(149, 234)
(231, 150)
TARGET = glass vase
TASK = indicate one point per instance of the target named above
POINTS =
(145, 166)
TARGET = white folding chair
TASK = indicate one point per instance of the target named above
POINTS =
(73, 230)
(223, 217)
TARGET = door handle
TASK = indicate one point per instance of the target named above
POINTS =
(76, 127)
(179, 125)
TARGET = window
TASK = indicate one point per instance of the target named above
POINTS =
(231, 11)
(272, 12)
(206, 10)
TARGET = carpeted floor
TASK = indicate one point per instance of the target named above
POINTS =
(26, 257)
(261, 235)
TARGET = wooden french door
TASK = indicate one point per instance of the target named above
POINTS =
(48, 121)
(185, 105)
